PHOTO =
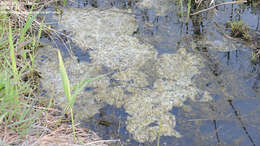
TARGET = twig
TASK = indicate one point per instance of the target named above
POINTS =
(225, 3)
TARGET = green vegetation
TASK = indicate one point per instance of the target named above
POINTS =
(181, 11)
(76, 89)
(188, 11)
(17, 91)
(255, 58)
(239, 29)
(21, 108)
(186, 7)
(67, 90)
(159, 134)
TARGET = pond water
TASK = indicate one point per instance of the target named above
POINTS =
(189, 83)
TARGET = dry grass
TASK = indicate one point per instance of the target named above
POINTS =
(50, 131)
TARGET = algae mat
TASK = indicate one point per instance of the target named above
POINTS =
(145, 84)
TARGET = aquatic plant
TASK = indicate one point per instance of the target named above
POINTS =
(255, 58)
(239, 29)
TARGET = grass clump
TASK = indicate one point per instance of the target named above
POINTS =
(16, 94)
(25, 117)
(239, 29)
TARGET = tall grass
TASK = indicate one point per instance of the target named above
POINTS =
(16, 95)
(19, 109)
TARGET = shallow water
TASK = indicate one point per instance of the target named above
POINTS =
(189, 82)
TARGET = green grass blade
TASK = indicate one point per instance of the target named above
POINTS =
(80, 87)
(35, 45)
(22, 121)
(65, 2)
(182, 18)
(66, 86)
(12, 54)
(188, 12)
(64, 77)
(159, 134)
(38, 36)
(27, 25)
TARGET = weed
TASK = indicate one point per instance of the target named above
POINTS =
(71, 98)
(254, 57)
(240, 30)
(21, 111)
(16, 96)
